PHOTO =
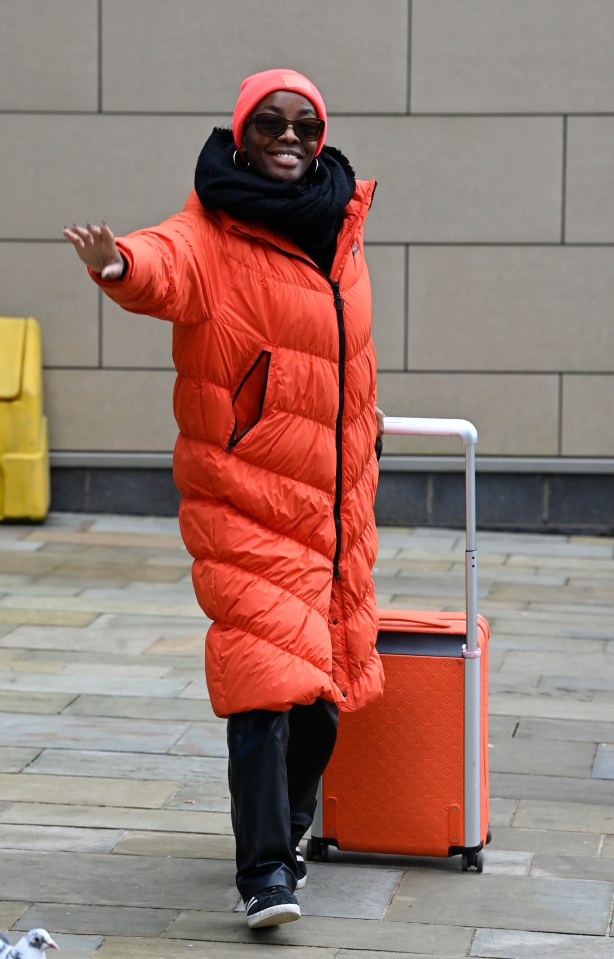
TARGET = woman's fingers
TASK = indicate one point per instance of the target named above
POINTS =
(73, 237)
(95, 245)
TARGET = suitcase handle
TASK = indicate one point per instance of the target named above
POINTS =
(431, 426)
(466, 431)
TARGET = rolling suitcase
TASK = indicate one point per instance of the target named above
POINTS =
(409, 774)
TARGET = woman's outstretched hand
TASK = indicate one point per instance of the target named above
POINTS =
(95, 245)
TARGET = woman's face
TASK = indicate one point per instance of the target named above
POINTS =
(284, 157)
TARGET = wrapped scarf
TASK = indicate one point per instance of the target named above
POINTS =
(310, 212)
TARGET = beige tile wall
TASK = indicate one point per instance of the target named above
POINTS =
(488, 125)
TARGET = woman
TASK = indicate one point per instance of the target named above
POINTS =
(264, 279)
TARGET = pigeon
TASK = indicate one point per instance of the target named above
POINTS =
(30, 946)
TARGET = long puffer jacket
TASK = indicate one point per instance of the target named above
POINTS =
(275, 459)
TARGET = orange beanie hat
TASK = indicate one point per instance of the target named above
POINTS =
(259, 85)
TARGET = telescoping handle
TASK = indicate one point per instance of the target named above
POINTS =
(418, 426)
(465, 431)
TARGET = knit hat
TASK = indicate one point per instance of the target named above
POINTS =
(259, 85)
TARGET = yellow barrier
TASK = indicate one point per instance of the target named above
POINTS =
(24, 457)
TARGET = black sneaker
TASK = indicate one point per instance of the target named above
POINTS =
(301, 867)
(271, 906)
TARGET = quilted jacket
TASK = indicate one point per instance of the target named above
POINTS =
(275, 462)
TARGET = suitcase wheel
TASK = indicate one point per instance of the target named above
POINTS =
(317, 850)
(473, 860)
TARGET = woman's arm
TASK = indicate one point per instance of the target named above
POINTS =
(160, 271)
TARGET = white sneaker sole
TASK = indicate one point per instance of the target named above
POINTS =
(302, 883)
(274, 916)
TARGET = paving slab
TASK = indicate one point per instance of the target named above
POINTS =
(507, 862)
(141, 881)
(550, 707)
(123, 523)
(191, 644)
(587, 731)
(562, 685)
(202, 739)
(504, 683)
(541, 905)
(545, 757)
(164, 949)
(44, 616)
(142, 707)
(536, 642)
(90, 684)
(101, 920)
(545, 840)
(59, 839)
(346, 891)
(359, 954)
(196, 690)
(11, 912)
(102, 657)
(565, 816)
(130, 766)
(179, 845)
(607, 848)
(320, 932)
(502, 727)
(214, 796)
(111, 671)
(604, 762)
(68, 732)
(501, 944)
(30, 701)
(115, 817)
(502, 811)
(13, 758)
(549, 663)
(565, 867)
(90, 606)
(556, 789)
(86, 791)
(115, 541)
(10, 656)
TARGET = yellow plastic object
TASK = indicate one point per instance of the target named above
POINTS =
(24, 456)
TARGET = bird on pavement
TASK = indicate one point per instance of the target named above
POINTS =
(30, 946)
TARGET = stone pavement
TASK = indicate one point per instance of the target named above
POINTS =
(114, 822)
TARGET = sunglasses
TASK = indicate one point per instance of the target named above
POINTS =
(271, 125)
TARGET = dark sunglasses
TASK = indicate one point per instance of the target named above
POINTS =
(271, 125)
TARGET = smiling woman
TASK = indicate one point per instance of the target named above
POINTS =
(264, 279)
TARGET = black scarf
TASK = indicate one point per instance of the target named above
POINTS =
(309, 212)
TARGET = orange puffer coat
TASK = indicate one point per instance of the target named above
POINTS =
(275, 456)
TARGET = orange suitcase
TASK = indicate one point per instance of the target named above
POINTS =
(409, 774)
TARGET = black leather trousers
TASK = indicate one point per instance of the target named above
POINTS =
(274, 767)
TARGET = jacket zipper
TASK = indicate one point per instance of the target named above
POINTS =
(338, 301)
(339, 425)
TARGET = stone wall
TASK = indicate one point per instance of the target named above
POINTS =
(489, 126)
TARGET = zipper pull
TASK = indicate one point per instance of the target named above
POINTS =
(338, 299)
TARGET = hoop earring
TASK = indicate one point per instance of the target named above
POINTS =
(317, 165)
(234, 160)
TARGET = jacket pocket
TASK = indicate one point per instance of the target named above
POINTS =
(248, 401)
